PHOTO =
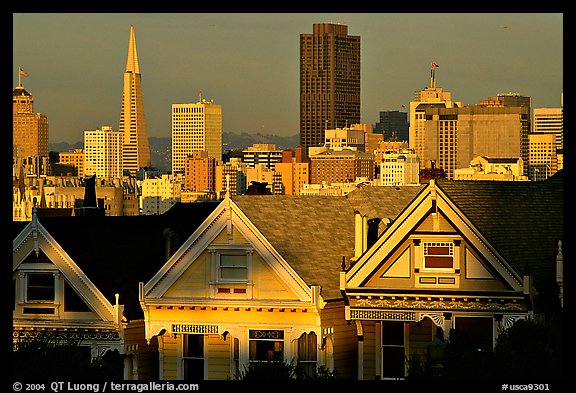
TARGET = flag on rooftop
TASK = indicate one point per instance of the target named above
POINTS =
(434, 65)
(22, 72)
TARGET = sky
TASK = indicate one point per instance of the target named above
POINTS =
(249, 63)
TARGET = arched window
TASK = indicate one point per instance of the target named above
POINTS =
(307, 353)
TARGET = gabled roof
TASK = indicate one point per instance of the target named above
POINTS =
(118, 252)
(517, 224)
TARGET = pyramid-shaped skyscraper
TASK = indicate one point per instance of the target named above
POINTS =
(136, 149)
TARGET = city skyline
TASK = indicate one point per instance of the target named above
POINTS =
(76, 62)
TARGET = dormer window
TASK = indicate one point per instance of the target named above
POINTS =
(438, 255)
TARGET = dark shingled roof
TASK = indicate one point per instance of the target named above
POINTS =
(118, 252)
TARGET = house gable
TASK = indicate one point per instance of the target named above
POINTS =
(432, 246)
(37, 256)
(198, 271)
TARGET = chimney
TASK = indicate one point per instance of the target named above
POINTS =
(89, 205)
(89, 191)
(360, 233)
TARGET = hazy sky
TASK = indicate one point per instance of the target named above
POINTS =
(249, 63)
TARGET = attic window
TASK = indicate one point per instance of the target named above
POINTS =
(233, 267)
(40, 287)
(438, 255)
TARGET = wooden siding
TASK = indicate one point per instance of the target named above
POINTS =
(170, 358)
(146, 354)
(345, 341)
(370, 331)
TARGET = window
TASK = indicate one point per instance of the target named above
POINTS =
(307, 353)
(193, 356)
(392, 349)
(266, 345)
(232, 267)
(40, 287)
(478, 332)
(438, 255)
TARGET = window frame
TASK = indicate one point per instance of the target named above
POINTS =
(217, 251)
(426, 244)
(256, 340)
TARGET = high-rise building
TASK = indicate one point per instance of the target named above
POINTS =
(329, 82)
(543, 156)
(448, 136)
(393, 125)
(29, 130)
(103, 153)
(195, 127)
(551, 121)
(136, 148)
(430, 97)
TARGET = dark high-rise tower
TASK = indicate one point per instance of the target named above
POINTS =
(329, 82)
(136, 149)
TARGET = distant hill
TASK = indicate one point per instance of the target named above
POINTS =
(161, 147)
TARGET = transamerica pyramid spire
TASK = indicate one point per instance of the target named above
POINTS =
(132, 61)
(136, 149)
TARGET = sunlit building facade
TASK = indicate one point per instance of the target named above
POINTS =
(329, 81)
(136, 148)
(195, 127)
(29, 129)
(103, 153)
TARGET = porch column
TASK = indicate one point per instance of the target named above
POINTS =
(360, 335)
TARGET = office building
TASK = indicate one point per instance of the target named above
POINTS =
(550, 120)
(103, 153)
(195, 127)
(29, 129)
(447, 135)
(136, 149)
(262, 153)
(429, 98)
(200, 173)
(393, 125)
(329, 82)
(341, 166)
(69, 163)
(543, 160)
(399, 168)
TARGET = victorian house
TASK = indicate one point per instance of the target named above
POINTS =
(75, 280)
(474, 256)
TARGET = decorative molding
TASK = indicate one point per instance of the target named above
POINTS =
(437, 304)
(65, 334)
(509, 320)
(382, 315)
(194, 329)
(437, 318)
